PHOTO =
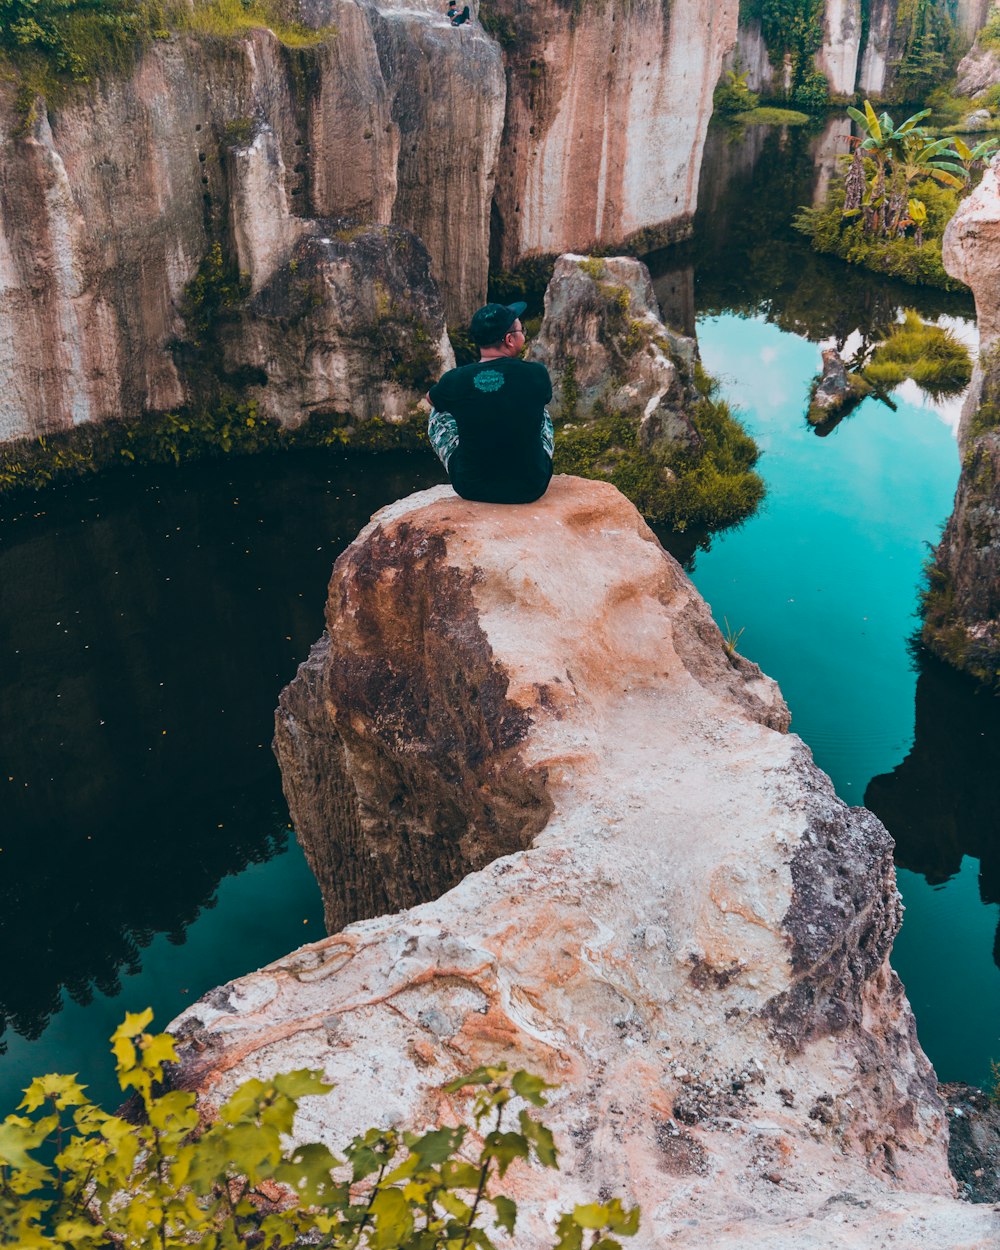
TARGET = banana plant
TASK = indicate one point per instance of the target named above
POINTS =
(938, 160)
(917, 210)
(973, 158)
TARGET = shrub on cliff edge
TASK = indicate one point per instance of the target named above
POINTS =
(72, 1175)
(712, 487)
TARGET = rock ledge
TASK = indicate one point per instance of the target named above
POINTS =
(685, 928)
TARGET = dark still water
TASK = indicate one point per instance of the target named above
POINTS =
(149, 619)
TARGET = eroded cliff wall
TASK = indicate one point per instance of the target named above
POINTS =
(109, 204)
(837, 57)
(607, 111)
(667, 910)
(962, 608)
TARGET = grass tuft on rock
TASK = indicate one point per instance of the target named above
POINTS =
(768, 116)
(931, 356)
(224, 18)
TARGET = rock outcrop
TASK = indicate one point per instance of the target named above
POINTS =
(685, 928)
(112, 201)
(978, 70)
(607, 350)
(962, 605)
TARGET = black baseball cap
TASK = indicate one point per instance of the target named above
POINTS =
(492, 322)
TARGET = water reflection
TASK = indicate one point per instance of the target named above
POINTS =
(746, 258)
(147, 622)
(940, 802)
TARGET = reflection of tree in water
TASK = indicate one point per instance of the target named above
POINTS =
(748, 260)
(148, 622)
(940, 802)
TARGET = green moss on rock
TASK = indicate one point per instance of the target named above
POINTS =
(714, 487)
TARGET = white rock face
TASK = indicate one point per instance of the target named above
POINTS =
(751, 56)
(838, 55)
(882, 49)
(970, 250)
(606, 121)
(685, 928)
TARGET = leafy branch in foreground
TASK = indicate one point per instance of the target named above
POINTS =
(74, 1177)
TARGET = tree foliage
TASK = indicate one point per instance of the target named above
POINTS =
(794, 29)
(889, 160)
(929, 46)
(72, 34)
(73, 1177)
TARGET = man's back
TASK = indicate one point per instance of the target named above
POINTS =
(499, 407)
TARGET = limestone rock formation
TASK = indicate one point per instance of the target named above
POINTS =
(970, 18)
(606, 348)
(837, 57)
(978, 70)
(111, 202)
(607, 111)
(349, 327)
(831, 394)
(667, 910)
(882, 51)
(962, 609)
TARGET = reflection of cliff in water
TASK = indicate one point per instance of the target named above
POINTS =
(147, 622)
(746, 258)
(940, 802)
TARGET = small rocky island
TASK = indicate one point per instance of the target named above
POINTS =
(621, 872)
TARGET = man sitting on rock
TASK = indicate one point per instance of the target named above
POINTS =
(489, 424)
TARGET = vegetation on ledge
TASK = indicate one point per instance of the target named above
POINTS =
(161, 1179)
(230, 426)
(51, 45)
(929, 355)
(890, 210)
(900, 257)
(233, 17)
(712, 487)
(768, 116)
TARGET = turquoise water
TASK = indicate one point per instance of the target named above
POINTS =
(824, 583)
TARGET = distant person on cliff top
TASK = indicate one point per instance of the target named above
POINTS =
(458, 18)
(488, 423)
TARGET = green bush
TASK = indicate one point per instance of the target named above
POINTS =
(732, 95)
(73, 1176)
(829, 231)
(928, 354)
(714, 486)
(812, 92)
